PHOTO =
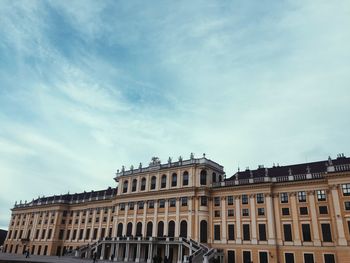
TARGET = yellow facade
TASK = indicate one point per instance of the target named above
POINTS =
(258, 215)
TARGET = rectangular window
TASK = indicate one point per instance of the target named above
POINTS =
(326, 232)
(68, 234)
(204, 201)
(349, 226)
(49, 236)
(216, 201)
(244, 199)
(302, 196)
(131, 205)
(81, 232)
(151, 204)
(323, 209)
(216, 232)
(321, 195)
(287, 230)
(309, 258)
(289, 258)
(306, 232)
(231, 257)
(346, 189)
(230, 200)
(260, 198)
(217, 213)
(172, 202)
(263, 257)
(246, 232)
(247, 257)
(285, 211)
(347, 205)
(245, 212)
(122, 207)
(141, 204)
(161, 203)
(329, 258)
(231, 232)
(262, 232)
(303, 210)
(184, 201)
(74, 234)
(261, 211)
(43, 234)
(230, 212)
(95, 233)
(284, 198)
(87, 233)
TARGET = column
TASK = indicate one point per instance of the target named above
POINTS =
(125, 219)
(238, 220)
(134, 218)
(93, 224)
(86, 222)
(144, 222)
(189, 228)
(196, 217)
(126, 258)
(270, 220)
(154, 233)
(115, 221)
(103, 251)
(179, 254)
(338, 216)
(109, 214)
(116, 252)
(150, 253)
(278, 222)
(314, 222)
(253, 218)
(32, 233)
(100, 225)
(293, 201)
(177, 217)
(138, 252)
(223, 220)
(79, 224)
(166, 214)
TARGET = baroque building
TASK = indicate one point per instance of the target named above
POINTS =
(189, 211)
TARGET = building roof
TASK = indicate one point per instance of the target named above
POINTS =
(295, 169)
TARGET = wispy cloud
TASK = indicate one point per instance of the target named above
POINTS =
(87, 86)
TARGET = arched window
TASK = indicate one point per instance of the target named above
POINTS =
(203, 177)
(183, 229)
(203, 231)
(134, 185)
(160, 231)
(125, 186)
(139, 229)
(185, 178)
(153, 182)
(129, 229)
(214, 178)
(149, 229)
(143, 184)
(174, 180)
(120, 230)
(163, 181)
(171, 229)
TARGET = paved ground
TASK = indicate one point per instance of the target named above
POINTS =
(5, 257)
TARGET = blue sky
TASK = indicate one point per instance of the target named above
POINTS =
(89, 86)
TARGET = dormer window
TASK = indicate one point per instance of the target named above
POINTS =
(125, 186)
(153, 182)
(174, 180)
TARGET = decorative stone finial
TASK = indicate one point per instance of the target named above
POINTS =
(132, 168)
(330, 161)
(203, 155)
(266, 172)
(290, 171)
(192, 156)
(180, 159)
(169, 160)
(140, 166)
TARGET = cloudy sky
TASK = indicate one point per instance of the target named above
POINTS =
(89, 86)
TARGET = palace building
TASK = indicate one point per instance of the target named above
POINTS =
(189, 211)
